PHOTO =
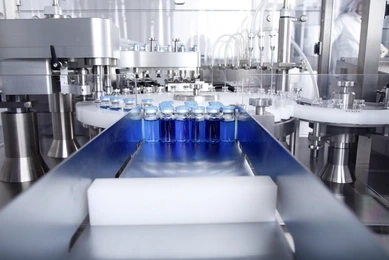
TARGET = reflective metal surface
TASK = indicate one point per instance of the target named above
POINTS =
(64, 143)
(147, 59)
(23, 161)
(319, 224)
(337, 168)
(26, 45)
(56, 205)
(187, 159)
(222, 241)
(198, 98)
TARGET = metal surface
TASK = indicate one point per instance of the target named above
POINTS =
(223, 241)
(187, 159)
(26, 77)
(337, 168)
(304, 204)
(56, 205)
(327, 18)
(369, 54)
(98, 71)
(199, 98)
(61, 110)
(159, 60)
(91, 35)
(55, 219)
(284, 45)
(23, 161)
(260, 105)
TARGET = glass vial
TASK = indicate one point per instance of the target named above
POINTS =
(105, 103)
(167, 125)
(134, 128)
(129, 104)
(243, 125)
(182, 124)
(198, 125)
(212, 125)
(227, 125)
(151, 124)
(115, 104)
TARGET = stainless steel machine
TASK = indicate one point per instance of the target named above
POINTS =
(100, 74)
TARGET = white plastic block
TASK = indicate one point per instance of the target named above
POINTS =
(170, 201)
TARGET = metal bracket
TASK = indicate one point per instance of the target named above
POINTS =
(15, 105)
(317, 49)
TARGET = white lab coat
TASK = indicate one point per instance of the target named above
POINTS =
(346, 35)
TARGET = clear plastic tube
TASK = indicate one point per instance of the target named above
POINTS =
(314, 82)
(260, 10)
(226, 49)
(214, 46)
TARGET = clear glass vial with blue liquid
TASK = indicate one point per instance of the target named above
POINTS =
(182, 124)
(129, 104)
(151, 124)
(244, 128)
(198, 125)
(147, 102)
(104, 102)
(227, 124)
(212, 124)
(167, 122)
(115, 104)
(134, 128)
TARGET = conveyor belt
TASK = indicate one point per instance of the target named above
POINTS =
(187, 159)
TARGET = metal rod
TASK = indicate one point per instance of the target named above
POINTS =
(98, 73)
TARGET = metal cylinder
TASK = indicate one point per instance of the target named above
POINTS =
(337, 169)
(107, 79)
(284, 46)
(61, 110)
(23, 161)
(98, 72)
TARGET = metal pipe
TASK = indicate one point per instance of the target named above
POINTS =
(55, 3)
(316, 143)
(260, 111)
(107, 79)
(98, 71)
(284, 46)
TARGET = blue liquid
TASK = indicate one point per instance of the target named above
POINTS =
(190, 128)
(182, 130)
(167, 130)
(115, 108)
(104, 106)
(151, 130)
(212, 130)
(198, 131)
(134, 130)
(227, 131)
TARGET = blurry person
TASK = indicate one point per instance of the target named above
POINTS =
(346, 34)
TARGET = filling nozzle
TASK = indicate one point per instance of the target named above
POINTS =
(273, 39)
(261, 44)
(251, 47)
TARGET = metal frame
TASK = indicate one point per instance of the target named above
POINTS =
(42, 222)
(327, 17)
(369, 55)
